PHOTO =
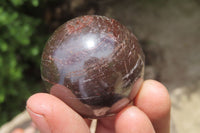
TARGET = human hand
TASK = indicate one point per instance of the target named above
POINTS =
(150, 114)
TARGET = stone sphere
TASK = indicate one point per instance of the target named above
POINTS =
(94, 64)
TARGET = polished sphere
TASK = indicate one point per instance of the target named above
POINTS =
(94, 64)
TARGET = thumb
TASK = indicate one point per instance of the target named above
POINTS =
(51, 115)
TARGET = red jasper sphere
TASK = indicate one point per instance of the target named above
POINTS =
(94, 64)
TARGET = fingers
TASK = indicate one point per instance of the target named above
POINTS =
(129, 120)
(153, 106)
(133, 120)
(153, 99)
(51, 115)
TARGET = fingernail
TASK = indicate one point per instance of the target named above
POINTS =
(39, 120)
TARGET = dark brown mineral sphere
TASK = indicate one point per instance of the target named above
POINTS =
(94, 64)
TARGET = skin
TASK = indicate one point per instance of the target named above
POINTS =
(150, 114)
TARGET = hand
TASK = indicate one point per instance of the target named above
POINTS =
(150, 114)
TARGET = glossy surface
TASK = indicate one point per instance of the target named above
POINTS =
(92, 63)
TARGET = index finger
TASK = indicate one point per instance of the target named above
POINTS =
(153, 99)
